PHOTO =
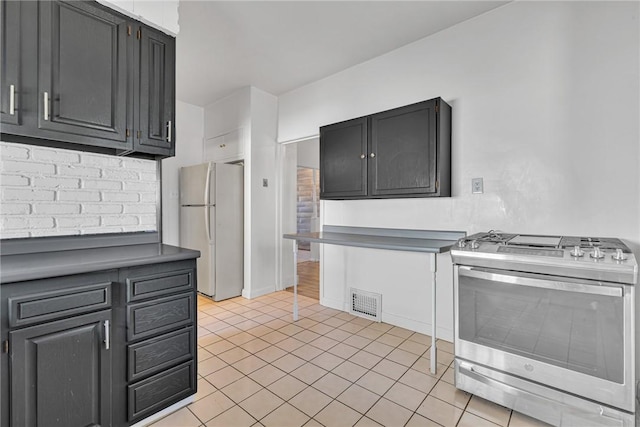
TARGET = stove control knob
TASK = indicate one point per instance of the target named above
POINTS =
(597, 253)
(461, 243)
(619, 255)
(576, 252)
(474, 244)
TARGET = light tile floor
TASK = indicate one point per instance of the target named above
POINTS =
(256, 367)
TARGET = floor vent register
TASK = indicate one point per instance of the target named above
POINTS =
(365, 304)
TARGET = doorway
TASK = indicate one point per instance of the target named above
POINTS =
(301, 211)
(307, 221)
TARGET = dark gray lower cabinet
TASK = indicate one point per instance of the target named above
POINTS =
(107, 348)
(158, 391)
(160, 303)
(61, 373)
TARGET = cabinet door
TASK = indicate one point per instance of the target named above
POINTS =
(10, 88)
(343, 159)
(156, 93)
(61, 373)
(403, 153)
(82, 72)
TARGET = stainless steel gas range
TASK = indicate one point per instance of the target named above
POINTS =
(545, 325)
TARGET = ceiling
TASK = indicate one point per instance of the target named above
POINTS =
(278, 46)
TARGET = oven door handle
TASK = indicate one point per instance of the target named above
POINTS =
(582, 288)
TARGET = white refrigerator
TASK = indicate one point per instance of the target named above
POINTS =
(212, 221)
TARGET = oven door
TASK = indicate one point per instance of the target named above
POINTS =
(574, 335)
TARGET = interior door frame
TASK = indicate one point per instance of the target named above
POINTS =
(284, 248)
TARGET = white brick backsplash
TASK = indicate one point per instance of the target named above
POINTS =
(7, 208)
(27, 167)
(102, 184)
(54, 156)
(120, 220)
(147, 219)
(148, 176)
(14, 180)
(80, 171)
(148, 197)
(120, 197)
(20, 223)
(52, 232)
(100, 160)
(56, 208)
(27, 195)
(140, 208)
(149, 187)
(79, 196)
(13, 152)
(140, 165)
(103, 230)
(55, 192)
(121, 174)
(102, 209)
(49, 182)
(78, 221)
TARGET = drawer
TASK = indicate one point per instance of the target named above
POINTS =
(157, 354)
(154, 285)
(161, 390)
(51, 305)
(160, 315)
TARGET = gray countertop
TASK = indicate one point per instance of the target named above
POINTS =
(17, 268)
(427, 241)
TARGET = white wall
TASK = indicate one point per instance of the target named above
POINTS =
(309, 153)
(264, 119)
(545, 109)
(189, 137)
(255, 112)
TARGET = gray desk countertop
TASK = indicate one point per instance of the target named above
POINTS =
(17, 268)
(425, 241)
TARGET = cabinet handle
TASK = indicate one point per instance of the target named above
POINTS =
(372, 155)
(169, 131)
(107, 335)
(223, 145)
(12, 99)
(362, 156)
(46, 105)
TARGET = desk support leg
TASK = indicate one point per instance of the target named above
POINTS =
(295, 280)
(432, 262)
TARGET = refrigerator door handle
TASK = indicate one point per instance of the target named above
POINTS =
(207, 186)
(207, 220)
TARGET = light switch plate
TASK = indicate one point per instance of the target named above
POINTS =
(477, 186)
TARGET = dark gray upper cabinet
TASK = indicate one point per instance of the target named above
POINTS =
(404, 152)
(82, 72)
(62, 372)
(155, 103)
(343, 159)
(10, 65)
(85, 79)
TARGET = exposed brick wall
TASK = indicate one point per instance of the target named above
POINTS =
(55, 192)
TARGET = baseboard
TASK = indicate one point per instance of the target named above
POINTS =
(395, 320)
(166, 411)
(255, 293)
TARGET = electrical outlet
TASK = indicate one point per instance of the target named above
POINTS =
(476, 186)
(265, 182)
